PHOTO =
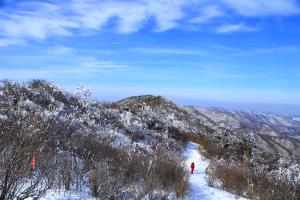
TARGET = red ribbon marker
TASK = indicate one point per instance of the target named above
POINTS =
(33, 160)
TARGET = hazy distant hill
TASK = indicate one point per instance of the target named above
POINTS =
(272, 132)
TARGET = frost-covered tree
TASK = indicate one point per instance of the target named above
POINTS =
(22, 134)
(83, 91)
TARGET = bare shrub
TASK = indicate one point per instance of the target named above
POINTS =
(135, 136)
(178, 135)
(254, 183)
(209, 147)
(18, 142)
(182, 187)
(169, 173)
(155, 171)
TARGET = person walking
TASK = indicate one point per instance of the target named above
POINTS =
(192, 167)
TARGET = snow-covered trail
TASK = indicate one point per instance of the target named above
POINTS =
(199, 189)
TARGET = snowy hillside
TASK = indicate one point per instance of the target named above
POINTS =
(160, 114)
(273, 133)
(63, 145)
(268, 124)
(80, 145)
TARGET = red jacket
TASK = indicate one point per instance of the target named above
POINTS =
(193, 165)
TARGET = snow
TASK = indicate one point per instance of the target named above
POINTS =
(296, 119)
(66, 195)
(199, 188)
(131, 122)
(3, 117)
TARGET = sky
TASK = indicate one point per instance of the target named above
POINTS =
(237, 54)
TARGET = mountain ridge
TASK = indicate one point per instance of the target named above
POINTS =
(272, 132)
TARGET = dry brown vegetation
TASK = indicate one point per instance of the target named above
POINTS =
(240, 177)
(253, 183)
(107, 170)
(209, 147)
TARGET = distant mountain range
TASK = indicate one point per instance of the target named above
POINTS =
(256, 122)
(274, 133)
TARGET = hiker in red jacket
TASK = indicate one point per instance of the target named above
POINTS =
(192, 167)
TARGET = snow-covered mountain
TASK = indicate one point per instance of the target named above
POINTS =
(257, 122)
(158, 113)
(278, 134)
(131, 149)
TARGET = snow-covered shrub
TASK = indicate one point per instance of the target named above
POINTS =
(244, 179)
(168, 171)
(148, 171)
(83, 92)
(82, 145)
(159, 114)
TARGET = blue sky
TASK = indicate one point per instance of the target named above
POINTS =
(240, 54)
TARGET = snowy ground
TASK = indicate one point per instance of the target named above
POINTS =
(66, 195)
(199, 188)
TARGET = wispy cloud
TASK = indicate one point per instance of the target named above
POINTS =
(220, 72)
(10, 41)
(240, 27)
(264, 7)
(62, 61)
(61, 50)
(92, 65)
(78, 68)
(273, 50)
(207, 14)
(170, 51)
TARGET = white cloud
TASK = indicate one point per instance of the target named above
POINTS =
(208, 13)
(40, 20)
(131, 15)
(264, 7)
(95, 14)
(240, 27)
(167, 12)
